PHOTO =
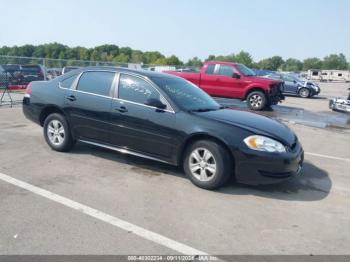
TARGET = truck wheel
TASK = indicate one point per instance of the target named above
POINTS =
(207, 164)
(304, 92)
(256, 100)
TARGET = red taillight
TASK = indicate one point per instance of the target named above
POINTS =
(27, 92)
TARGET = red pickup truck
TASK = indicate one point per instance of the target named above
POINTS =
(234, 80)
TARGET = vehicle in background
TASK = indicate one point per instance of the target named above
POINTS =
(328, 75)
(296, 86)
(14, 72)
(4, 77)
(161, 68)
(33, 72)
(263, 72)
(189, 70)
(52, 73)
(340, 104)
(164, 118)
(67, 69)
(232, 80)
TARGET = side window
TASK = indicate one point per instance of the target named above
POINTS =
(67, 83)
(288, 79)
(135, 89)
(226, 71)
(210, 69)
(99, 83)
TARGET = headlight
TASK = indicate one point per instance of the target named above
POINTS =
(262, 143)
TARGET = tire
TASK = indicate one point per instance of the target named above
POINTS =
(256, 100)
(57, 133)
(203, 174)
(304, 92)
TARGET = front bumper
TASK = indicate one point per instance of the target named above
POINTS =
(315, 92)
(275, 95)
(256, 168)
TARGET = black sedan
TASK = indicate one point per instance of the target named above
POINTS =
(163, 118)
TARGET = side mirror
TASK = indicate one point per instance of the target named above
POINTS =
(236, 75)
(155, 103)
(295, 81)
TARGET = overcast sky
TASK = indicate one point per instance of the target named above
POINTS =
(186, 28)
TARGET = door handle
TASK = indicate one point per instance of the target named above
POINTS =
(71, 98)
(122, 109)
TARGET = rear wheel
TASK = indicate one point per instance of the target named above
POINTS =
(57, 133)
(207, 164)
(256, 100)
(304, 92)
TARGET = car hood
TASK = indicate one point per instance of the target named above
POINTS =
(255, 123)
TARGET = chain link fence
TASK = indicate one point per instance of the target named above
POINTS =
(17, 72)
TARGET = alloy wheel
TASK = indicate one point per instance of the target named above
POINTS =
(202, 164)
(55, 132)
(255, 101)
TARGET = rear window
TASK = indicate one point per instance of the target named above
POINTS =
(99, 83)
(67, 83)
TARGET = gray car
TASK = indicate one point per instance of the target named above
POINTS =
(296, 86)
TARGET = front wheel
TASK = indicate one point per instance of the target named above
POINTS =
(57, 133)
(304, 92)
(256, 100)
(207, 164)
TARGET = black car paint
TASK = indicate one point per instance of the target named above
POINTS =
(163, 135)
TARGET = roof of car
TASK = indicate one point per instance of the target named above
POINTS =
(146, 73)
(221, 62)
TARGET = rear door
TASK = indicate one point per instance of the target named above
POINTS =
(208, 81)
(88, 105)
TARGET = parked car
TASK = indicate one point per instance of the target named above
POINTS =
(236, 81)
(164, 118)
(4, 77)
(262, 72)
(15, 75)
(32, 72)
(296, 86)
(52, 73)
(340, 103)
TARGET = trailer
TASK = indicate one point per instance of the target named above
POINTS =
(328, 75)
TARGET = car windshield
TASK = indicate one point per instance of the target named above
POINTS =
(185, 94)
(245, 70)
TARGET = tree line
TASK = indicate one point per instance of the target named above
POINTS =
(115, 54)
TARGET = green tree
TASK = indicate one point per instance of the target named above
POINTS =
(151, 57)
(312, 63)
(136, 56)
(121, 58)
(244, 58)
(272, 63)
(292, 65)
(195, 61)
(336, 62)
(173, 60)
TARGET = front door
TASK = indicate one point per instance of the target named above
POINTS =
(290, 85)
(138, 127)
